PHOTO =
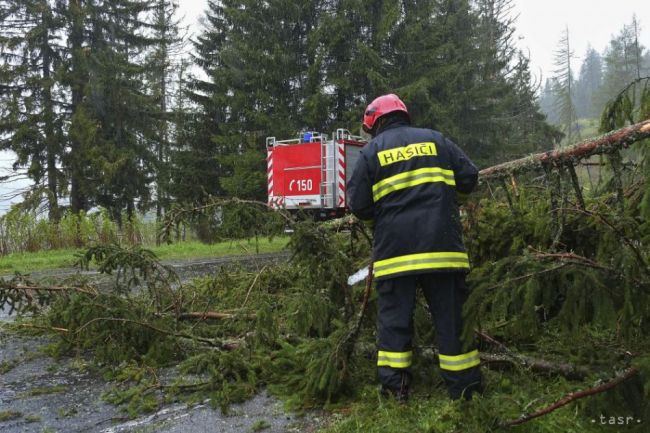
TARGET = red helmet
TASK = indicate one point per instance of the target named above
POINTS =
(381, 106)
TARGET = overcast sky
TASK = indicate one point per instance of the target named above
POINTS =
(540, 24)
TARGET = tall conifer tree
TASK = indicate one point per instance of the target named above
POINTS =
(565, 88)
(161, 62)
(114, 115)
(623, 63)
(258, 69)
(31, 99)
(588, 84)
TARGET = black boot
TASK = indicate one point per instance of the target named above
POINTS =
(400, 394)
(475, 388)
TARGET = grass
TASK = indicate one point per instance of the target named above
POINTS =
(7, 366)
(67, 412)
(46, 390)
(28, 262)
(260, 425)
(42, 260)
(508, 396)
(8, 415)
(194, 249)
(32, 418)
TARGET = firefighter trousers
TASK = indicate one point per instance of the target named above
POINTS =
(445, 293)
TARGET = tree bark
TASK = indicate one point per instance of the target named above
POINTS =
(604, 144)
(162, 145)
(543, 366)
(213, 315)
(77, 82)
(48, 107)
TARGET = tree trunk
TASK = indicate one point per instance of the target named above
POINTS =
(77, 196)
(48, 108)
(604, 144)
(162, 143)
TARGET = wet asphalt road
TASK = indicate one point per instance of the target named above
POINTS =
(40, 394)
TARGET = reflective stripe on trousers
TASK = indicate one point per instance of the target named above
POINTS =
(445, 293)
(459, 362)
(421, 261)
(394, 359)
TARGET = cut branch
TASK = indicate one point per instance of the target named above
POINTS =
(176, 216)
(627, 374)
(43, 328)
(252, 285)
(576, 185)
(536, 365)
(571, 258)
(213, 315)
(604, 144)
(525, 277)
(27, 288)
(218, 344)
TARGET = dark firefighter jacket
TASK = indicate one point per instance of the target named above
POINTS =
(406, 181)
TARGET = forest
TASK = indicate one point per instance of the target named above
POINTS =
(103, 109)
(572, 96)
(113, 113)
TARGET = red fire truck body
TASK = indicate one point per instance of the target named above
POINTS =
(311, 172)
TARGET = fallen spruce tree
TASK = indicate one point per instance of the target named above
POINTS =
(560, 303)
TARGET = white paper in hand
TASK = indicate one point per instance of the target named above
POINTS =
(361, 274)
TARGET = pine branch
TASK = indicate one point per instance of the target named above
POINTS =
(572, 258)
(629, 86)
(252, 285)
(627, 241)
(43, 328)
(525, 277)
(219, 344)
(537, 365)
(491, 340)
(344, 222)
(617, 380)
(59, 289)
(179, 215)
(213, 315)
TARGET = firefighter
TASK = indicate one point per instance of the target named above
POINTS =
(406, 184)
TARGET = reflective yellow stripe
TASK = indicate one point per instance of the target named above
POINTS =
(412, 178)
(394, 359)
(391, 156)
(460, 362)
(414, 262)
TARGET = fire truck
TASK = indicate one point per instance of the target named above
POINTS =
(310, 172)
